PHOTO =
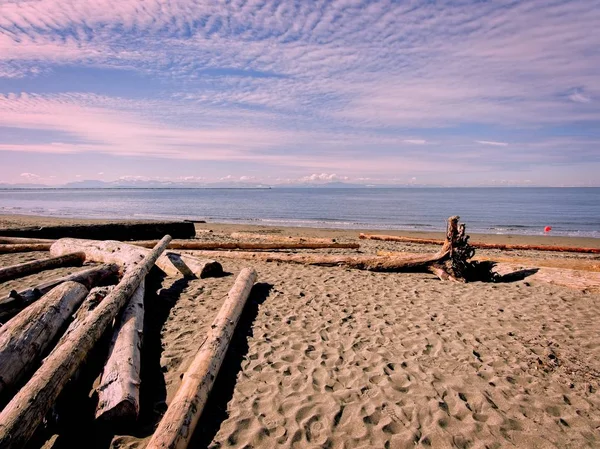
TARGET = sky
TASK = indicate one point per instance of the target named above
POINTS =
(456, 93)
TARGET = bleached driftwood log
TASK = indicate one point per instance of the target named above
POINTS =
(35, 266)
(16, 301)
(195, 245)
(576, 279)
(24, 247)
(279, 238)
(177, 425)
(481, 245)
(24, 413)
(126, 255)
(119, 389)
(25, 338)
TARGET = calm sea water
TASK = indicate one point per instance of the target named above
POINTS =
(570, 211)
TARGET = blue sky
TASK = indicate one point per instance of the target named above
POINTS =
(279, 92)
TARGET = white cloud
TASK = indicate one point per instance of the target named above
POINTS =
(415, 141)
(492, 143)
(29, 176)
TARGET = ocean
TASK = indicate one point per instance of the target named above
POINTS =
(569, 211)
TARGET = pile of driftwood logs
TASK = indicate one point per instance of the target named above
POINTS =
(46, 331)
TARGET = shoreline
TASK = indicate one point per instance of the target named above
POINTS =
(18, 220)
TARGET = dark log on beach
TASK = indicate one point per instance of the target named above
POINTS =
(195, 245)
(279, 238)
(16, 301)
(177, 425)
(27, 409)
(128, 255)
(35, 266)
(25, 338)
(130, 230)
(481, 245)
(24, 247)
(119, 389)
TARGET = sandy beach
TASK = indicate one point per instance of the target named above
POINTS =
(340, 358)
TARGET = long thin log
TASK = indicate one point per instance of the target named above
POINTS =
(569, 249)
(125, 254)
(177, 425)
(279, 238)
(577, 279)
(24, 247)
(25, 338)
(195, 245)
(35, 266)
(25, 412)
(119, 390)
(24, 240)
(371, 263)
(128, 230)
(16, 301)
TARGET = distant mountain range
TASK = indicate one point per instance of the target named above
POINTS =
(140, 184)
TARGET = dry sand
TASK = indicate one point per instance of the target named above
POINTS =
(339, 358)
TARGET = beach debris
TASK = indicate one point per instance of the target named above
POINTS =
(547, 229)
(177, 425)
(481, 245)
(16, 301)
(452, 259)
(24, 240)
(26, 410)
(279, 238)
(129, 230)
(576, 279)
(23, 247)
(127, 255)
(198, 245)
(25, 338)
(35, 266)
(119, 389)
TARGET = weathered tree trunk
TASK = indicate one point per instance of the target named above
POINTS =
(453, 257)
(481, 245)
(126, 255)
(25, 338)
(35, 266)
(24, 413)
(16, 301)
(119, 390)
(24, 247)
(195, 245)
(576, 279)
(128, 230)
(279, 238)
(23, 240)
(177, 425)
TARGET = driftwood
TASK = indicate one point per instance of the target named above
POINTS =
(25, 412)
(481, 245)
(279, 238)
(195, 245)
(119, 390)
(577, 279)
(452, 258)
(24, 247)
(127, 255)
(177, 425)
(25, 338)
(23, 240)
(35, 266)
(129, 230)
(16, 301)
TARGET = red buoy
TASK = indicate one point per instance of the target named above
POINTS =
(548, 229)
